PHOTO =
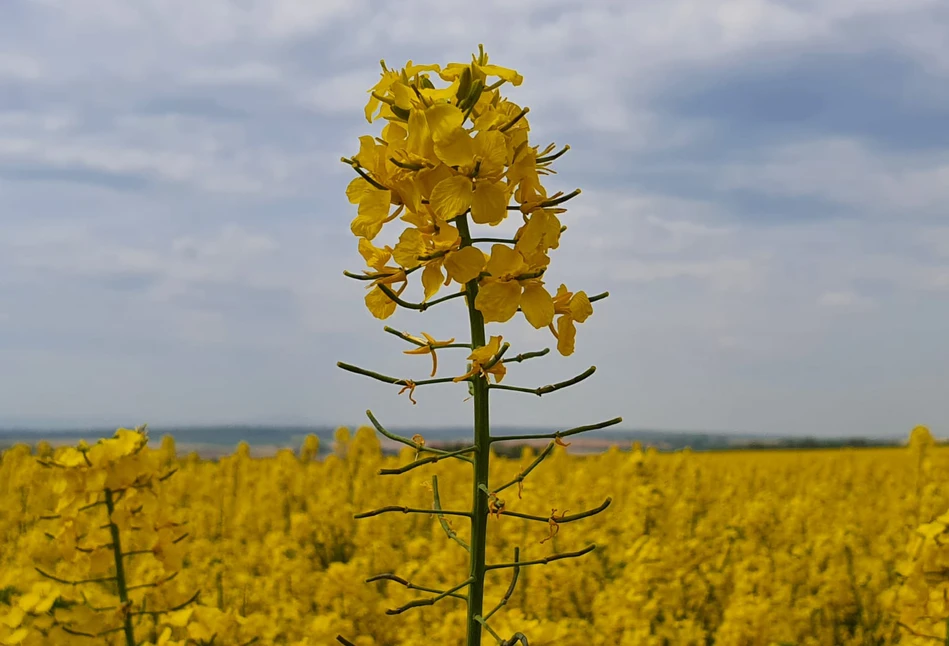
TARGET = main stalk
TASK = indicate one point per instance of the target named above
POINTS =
(482, 434)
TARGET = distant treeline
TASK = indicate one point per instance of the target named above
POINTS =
(450, 439)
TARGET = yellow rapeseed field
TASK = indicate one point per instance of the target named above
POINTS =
(733, 548)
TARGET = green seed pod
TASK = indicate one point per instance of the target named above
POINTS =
(477, 87)
(464, 85)
(401, 113)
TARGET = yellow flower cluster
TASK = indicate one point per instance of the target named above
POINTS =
(106, 549)
(447, 152)
(752, 548)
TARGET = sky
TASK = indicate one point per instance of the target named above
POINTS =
(764, 193)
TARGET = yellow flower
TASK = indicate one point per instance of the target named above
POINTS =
(377, 302)
(481, 357)
(429, 348)
(480, 160)
(442, 250)
(572, 308)
(513, 283)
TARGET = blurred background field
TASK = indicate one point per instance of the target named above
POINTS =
(828, 546)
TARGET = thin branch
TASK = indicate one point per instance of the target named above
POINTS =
(543, 390)
(423, 461)
(484, 622)
(392, 380)
(358, 168)
(533, 465)
(422, 344)
(420, 307)
(184, 604)
(524, 356)
(554, 436)
(520, 115)
(543, 561)
(153, 584)
(410, 510)
(412, 586)
(554, 201)
(550, 158)
(437, 503)
(418, 603)
(408, 442)
(77, 582)
(345, 642)
(565, 519)
(598, 297)
(73, 631)
(493, 361)
(510, 588)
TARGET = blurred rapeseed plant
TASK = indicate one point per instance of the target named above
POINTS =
(449, 158)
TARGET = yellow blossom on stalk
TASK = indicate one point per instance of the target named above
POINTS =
(377, 302)
(514, 282)
(436, 251)
(482, 357)
(449, 160)
(447, 152)
(571, 308)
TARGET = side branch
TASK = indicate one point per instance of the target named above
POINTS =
(410, 510)
(404, 440)
(543, 390)
(420, 307)
(510, 588)
(543, 561)
(412, 586)
(77, 582)
(494, 360)
(519, 478)
(598, 297)
(431, 601)
(392, 380)
(560, 520)
(437, 502)
(524, 356)
(429, 460)
(422, 344)
(554, 436)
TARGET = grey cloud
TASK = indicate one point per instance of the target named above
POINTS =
(766, 214)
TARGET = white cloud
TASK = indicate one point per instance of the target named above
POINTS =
(848, 172)
(228, 256)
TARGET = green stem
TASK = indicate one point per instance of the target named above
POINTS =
(482, 437)
(119, 569)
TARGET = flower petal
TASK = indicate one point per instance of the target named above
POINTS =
(465, 264)
(498, 300)
(373, 210)
(566, 335)
(432, 278)
(409, 248)
(505, 261)
(537, 305)
(489, 203)
(451, 197)
(580, 307)
(381, 306)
